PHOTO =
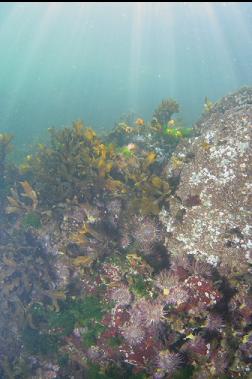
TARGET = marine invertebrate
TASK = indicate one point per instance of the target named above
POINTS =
(245, 347)
(196, 346)
(146, 232)
(168, 362)
(200, 267)
(154, 313)
(121, 295)
(114, 208)
(133, 333)
(220, 361)
(125, 240)
(214, 322)
(147, 313)
(178, 296)
(165, 280)
(137, 311)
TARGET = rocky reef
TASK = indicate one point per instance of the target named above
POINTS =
(128, 255)
(214, 190)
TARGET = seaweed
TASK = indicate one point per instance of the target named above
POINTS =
(31, 219)
(139, 287)
(165, 111)
(113, 372)
(94, 330)
(87, 281)
(39, 343)
(184, 373)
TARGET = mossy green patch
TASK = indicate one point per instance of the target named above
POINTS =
(115, 341)
(184, 373)
(114, 372)
(139, 286)
(82, 313)
(36, 342)
(31, 219)
(93, 332)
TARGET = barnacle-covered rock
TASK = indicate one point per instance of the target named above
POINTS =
(214, 188)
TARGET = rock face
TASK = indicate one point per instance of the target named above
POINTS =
(213, 197)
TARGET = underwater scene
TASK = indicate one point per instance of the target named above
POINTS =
(125, 190)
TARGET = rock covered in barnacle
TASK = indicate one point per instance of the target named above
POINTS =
(214, 188)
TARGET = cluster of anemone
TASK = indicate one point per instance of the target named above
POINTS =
(202, 268)
(221, 362)
(165, 280)
(146, 233)
(125, 240)
(214, 322)
(245, 348)
(147, 313)
(154, 313)
(167, 363)
(196, 346)
(191, 266)
(121, 295)
(133, 333)
(177, 296)
(137, 311)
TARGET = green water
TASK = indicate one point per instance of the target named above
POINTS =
(61, 62)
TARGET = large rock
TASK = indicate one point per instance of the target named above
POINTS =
(209, 215)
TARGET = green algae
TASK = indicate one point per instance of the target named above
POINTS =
(39, 343)
(31, 219)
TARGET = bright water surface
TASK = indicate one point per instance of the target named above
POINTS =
(95, 61)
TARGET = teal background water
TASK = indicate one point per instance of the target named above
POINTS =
(95, 61)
